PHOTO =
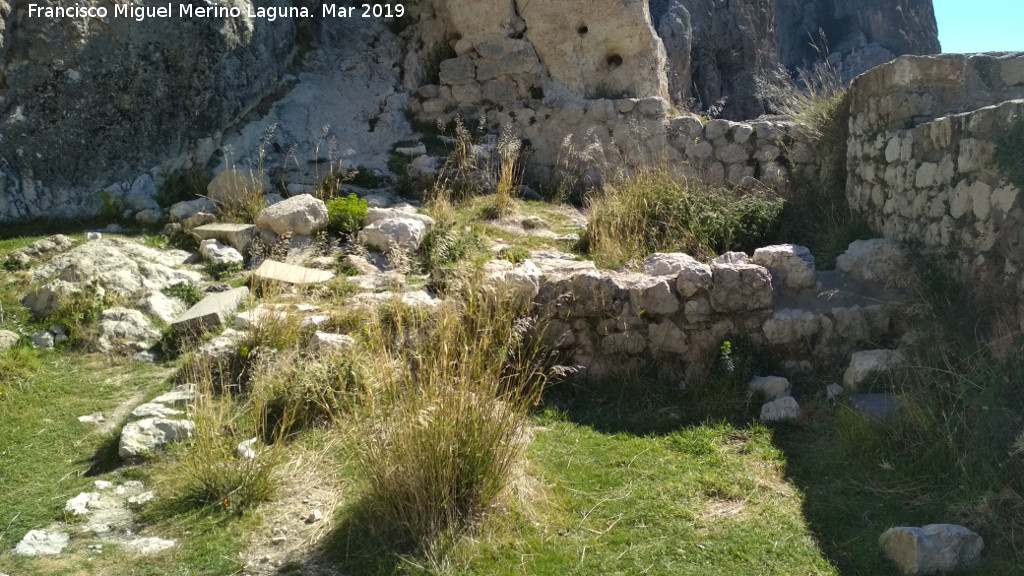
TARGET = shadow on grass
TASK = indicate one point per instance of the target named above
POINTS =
(105, 459)
(357, 545)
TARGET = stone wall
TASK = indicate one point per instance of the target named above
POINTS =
(922, 134)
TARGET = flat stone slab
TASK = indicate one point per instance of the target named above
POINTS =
(273, 271)
(238, 236)
(875, 406)
(210, 312)
(42, 543)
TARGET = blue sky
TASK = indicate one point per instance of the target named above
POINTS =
(980, 25)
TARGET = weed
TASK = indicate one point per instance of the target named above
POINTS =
(221, 270)
(79, 310)
(112, 205)
(190, 294)
(364, 177)
(346, 214)
(650, 212)
(444, 50)
(442, 455)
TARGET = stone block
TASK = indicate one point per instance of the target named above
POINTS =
(272, 271)
(238, 236)
(210, 312)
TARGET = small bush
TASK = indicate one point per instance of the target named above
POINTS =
(346, 214)
(650, 212)
(443, 453)
(80, 310)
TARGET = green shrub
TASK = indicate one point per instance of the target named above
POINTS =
(346, 214)
(651, 212)
(80, 310)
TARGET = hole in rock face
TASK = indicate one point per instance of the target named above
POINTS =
(614, 61)
(582, 29)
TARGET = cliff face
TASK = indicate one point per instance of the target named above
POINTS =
(86, 101)
(725, 45)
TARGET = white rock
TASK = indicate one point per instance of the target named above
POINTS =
(149, 434)
(301, 215)
(218, 253)
(80, 504)
(771, 387)
(423, 167)
(785, 408)
(670, 264)
(739, 287)
(403, 233)
(42, 543)
(96, 418)
(401, 211)
(184, 210)
(93, 236)
(833, 391)
(327, 342)
(125, 328)
(8, 339)
(246, 448)
(789, 264)
(931, 549)
(159, 305)
(792, 325)
(732, 258)
(879, 261)
(155, 410)
(864, 364)
(180, 395)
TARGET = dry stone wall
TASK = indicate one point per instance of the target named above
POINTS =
(922, 134)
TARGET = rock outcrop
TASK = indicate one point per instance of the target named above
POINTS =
(85, 102)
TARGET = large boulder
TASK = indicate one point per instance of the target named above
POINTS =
(92, 101)
(931, 549)
(402, 233)
(144, 436)
(302, 215)
(791, 266)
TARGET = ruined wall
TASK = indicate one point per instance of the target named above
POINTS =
(922, 133)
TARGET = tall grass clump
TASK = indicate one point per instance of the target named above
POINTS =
(649, 212)
(816, 214)
(442, 448)
(218, 472)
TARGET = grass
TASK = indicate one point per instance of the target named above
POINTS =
(649, 212)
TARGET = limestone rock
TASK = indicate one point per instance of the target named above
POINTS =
(184, 210)
(406, 211)
(864, 364)
(238, 236)
(149, 434)
(403, 233)
(43, 339)
(42, 543)
(321, 342)
(149, 545)
(125, 328)
(8, 339)
(771, 387)
(792, 325)
(159, 305)
(272, 271)
(931, 549)
(210, 312)
(785, 408)
(789, 264)
(302, 215)
(739, 287)
(879, 261)
(218, 253)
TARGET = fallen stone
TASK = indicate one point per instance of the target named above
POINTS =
(771, 387)
(8, 339)
(80, 504)
(43, 339)
(145, 436)
(179, 396)
(785, 408)
(790, 265)
(218, 253)
(238, 236)
(879, 261)
(931, 549)
(833, 391)
(303, 215)
(272, 271)
(864, 364)
(159, 305)
(96, 418)
(879, 407)
(210, 312)
(321, 342)
(93, 236)
(42, 543)
(245, 449)
(184, 210)
(403, 233)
